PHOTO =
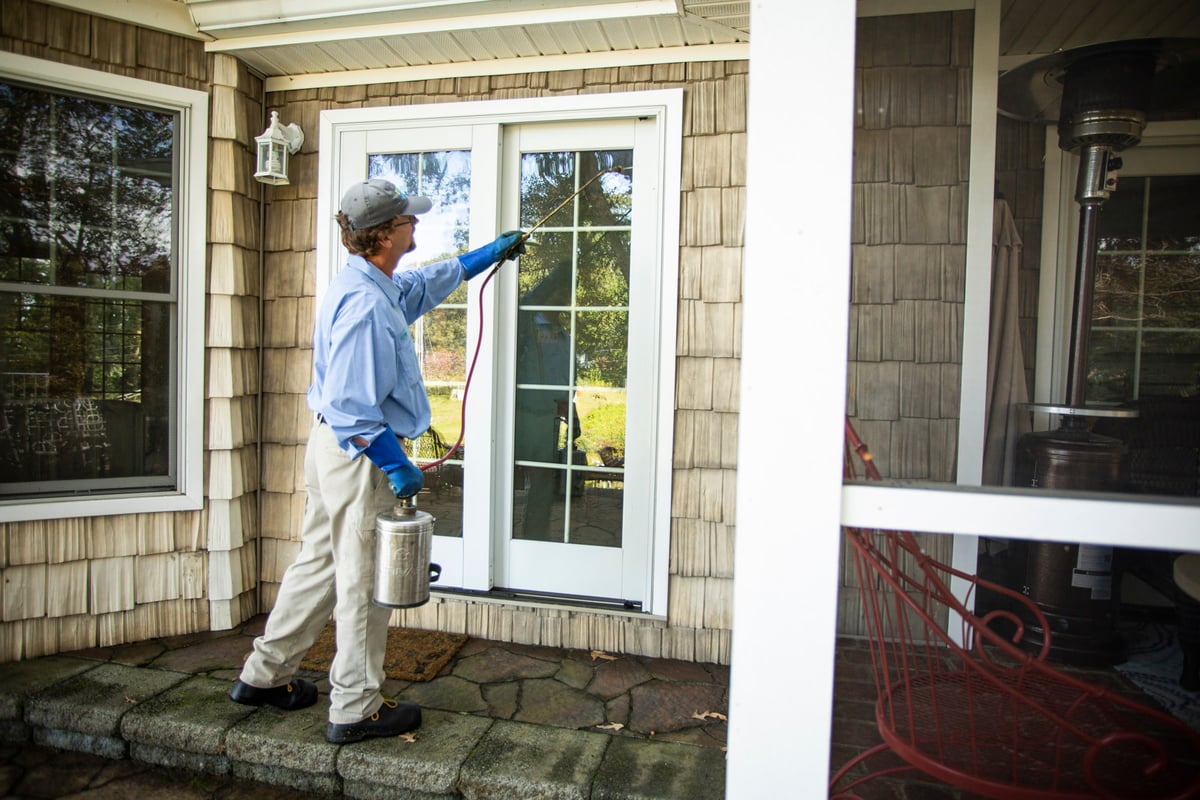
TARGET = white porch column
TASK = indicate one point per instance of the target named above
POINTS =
(792, 404)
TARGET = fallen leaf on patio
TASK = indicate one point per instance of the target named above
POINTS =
(710, 715)
(602, 655)
(408, 737)
(612, 726)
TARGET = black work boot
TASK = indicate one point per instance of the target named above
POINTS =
(392, 719)
(296, 694)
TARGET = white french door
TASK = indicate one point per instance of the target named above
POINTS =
(576, 467)
(443, 163)
(561, 485)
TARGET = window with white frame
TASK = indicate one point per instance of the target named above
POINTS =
(101, 292)
(1146, 320)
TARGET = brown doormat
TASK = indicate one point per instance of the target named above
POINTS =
(411, 655)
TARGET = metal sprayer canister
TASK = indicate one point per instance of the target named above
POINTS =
(403, 571)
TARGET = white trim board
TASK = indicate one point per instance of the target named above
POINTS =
(1027, 514)
(508, 66)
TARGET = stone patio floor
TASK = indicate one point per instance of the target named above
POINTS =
(498, 719)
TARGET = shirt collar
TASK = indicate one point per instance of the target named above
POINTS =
(375, 274)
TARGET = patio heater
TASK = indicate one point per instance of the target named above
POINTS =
(1101, 97)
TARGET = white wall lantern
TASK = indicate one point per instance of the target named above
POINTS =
(274, 145)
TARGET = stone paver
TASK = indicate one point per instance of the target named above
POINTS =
(84, 712)
(574, 673)
(634, 770)
(449, 693)
(548, 702)
(502, 699)
(498, 665)
(36, 772)
(658, 707)
(614, 678)
(382, 768)
(185, 726)
(677, 671)
(515, 760)
(20, 679)
(285, 748)
(134, 654)
(207, 655)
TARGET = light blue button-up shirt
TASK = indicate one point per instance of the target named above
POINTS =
(365, 366)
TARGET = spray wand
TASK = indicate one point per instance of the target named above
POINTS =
(509, 255)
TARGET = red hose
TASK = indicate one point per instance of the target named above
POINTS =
(462, 426)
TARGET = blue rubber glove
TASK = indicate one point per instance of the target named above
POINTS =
(385, 452)
(508, 245)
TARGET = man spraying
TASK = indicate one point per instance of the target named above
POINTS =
(367, 393)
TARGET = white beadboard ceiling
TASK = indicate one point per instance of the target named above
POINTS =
(353, 41)
(307, 37)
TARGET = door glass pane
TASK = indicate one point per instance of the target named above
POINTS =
(440, 336)
(602, 348)
(604, 257)
(572, 349)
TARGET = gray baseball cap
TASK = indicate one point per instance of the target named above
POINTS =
(376, 201)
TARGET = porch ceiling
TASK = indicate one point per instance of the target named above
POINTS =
(381, 34)
(1038, 27)
(325, 37)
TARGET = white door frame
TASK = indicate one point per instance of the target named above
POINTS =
(338, 129)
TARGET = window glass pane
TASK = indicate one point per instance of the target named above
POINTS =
(1172, 221)
(1144, 349)
(84, 389)
(1118, 290)
(1148, 297)
(1170, 364)
(440, 336)
(90, 198)
(1122, 217)
(86, 386)
(1172, 292)
(1111, 358)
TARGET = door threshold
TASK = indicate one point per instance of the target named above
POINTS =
(547, 598)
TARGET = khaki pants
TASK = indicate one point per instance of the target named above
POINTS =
(334, 573)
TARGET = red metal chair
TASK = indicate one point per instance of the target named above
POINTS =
(987, 716)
